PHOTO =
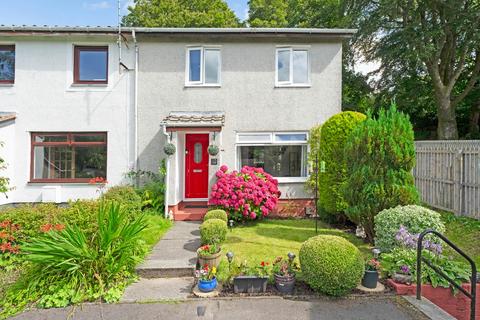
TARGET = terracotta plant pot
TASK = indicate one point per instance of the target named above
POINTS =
(284, 284)
(212, 260)
(370, 279)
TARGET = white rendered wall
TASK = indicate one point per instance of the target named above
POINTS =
(46, 101)
(7, 137)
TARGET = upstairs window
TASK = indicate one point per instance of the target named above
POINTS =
(68, 157)
(90, 65)
(292, 67)
(203, 66)
(7, 64)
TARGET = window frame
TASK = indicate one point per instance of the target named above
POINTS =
(13, 48)
(76, 63)
(290, 82)
(201, 82)
(69, 143)
(272, 142)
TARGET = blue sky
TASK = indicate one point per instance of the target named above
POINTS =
(75, 12)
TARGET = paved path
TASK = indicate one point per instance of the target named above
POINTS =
(264, 308)
(175, 255)
(167, 273)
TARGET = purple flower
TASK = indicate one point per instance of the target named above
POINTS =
(405, 269)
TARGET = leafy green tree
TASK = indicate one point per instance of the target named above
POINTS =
(379, 156)
(435, 37)
(267, 13)
(181, 13)
(332, 142)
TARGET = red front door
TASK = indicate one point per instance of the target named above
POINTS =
(196, 166)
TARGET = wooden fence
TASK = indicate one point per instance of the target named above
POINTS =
(447, 175)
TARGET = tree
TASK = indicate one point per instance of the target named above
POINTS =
(379, 157)
(267, 13)
(332, 143)
(180, 13)
(437, 36)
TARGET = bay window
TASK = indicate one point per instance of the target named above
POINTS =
(203, 66)
(68, 157)
(292, 67)
(283, 155)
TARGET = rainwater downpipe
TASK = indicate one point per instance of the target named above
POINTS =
(167, 170)
(135, 104)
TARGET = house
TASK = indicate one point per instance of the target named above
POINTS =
(92, 102)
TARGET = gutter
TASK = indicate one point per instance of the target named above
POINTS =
(167, 170)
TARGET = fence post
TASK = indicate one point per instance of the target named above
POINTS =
(457, 182)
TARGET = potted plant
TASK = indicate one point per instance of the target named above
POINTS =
(251, 280)
(207, 280)
(370, 278)
(169, 149)
(403, 275)
(213, 150)
(284, 271)
(209, 254)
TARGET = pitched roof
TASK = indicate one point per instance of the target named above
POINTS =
(112, 30)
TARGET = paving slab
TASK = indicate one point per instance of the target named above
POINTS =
(430, 309)
(148, 290)
(175, 255)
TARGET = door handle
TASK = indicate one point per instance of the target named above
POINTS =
(197, 170)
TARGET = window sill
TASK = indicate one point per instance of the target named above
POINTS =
(82, 183)
(203, 85)
(292, 180)
(6, 84)
(94, 85)
(293, 86)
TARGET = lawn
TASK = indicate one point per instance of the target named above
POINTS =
(267, 239)
(465, 233)
(157, 226)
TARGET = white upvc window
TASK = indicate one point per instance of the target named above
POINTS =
(203, 66)
(292, 66)
(281, 154)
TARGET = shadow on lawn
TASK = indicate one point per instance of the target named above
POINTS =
(294, 234)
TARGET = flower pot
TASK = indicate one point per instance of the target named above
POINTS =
(402, 278)
(207, 285)
(249, 284)
(370, 279)
(284, 284)
(212, 260)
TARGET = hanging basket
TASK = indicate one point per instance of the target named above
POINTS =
(169, 149)
(213, 150)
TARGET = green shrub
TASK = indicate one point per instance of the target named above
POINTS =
(380, 155)
(213, 231)
(314, 151)
(415, 218)
(68, 266)
(127, 197)
(332, 142)
(216, 214)
(331, 264)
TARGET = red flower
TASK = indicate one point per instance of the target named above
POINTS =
(5, 224)
(98, 180)
(59, 227)
(46, 227)
(3, 235)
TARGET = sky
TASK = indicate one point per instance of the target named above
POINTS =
(76, 12)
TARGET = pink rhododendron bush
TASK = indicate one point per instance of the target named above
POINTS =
(246, 195)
